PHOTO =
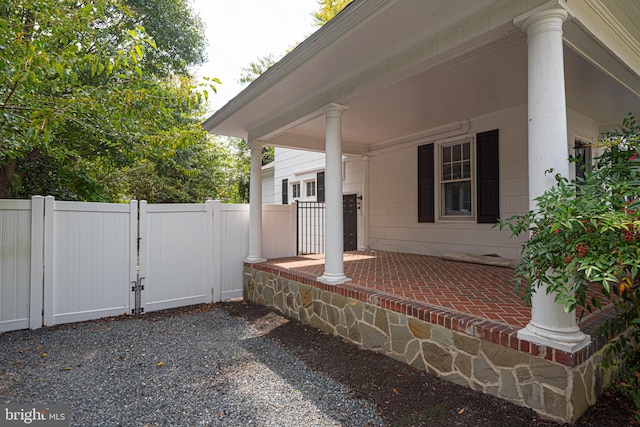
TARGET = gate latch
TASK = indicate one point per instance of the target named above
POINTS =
(137, 287)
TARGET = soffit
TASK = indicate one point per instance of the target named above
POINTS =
(400, 80)
(491, 79)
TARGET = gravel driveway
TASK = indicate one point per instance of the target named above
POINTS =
(172, 369)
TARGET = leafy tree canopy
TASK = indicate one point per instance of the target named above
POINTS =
(328, 9)
(81, 93)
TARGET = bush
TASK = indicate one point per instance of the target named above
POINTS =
(586, 232)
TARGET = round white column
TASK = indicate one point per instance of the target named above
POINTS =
(550, 325)
(255, 204)
(333, 235)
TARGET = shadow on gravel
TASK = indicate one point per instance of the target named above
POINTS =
(403, 395)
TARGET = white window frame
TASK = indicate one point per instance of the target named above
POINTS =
(439, 182)
(308, 193)
(296, 194)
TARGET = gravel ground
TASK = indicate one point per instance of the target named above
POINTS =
(203, 367)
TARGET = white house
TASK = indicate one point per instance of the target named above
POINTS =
(448, 113)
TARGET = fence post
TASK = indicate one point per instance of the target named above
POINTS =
(294, 227)
(209, 253)
(37, 262)
(133, 249)
(49, 211)
(216, 227)
(142, 252)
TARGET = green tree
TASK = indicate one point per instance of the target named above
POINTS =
(256, 68)
(177, 31)
(328, 9)
(586, 232)
(78, 96)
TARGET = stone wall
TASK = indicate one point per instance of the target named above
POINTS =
(561, 391)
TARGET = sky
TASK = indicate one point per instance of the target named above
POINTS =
(241, 31)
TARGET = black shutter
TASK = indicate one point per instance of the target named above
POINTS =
(488, 177)
(320, 187)
(426, 212)
(285, 191)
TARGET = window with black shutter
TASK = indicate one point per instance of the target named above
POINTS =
(426, 211)
(320, 187)
(285, 191)
(449, 167)
(488, 177)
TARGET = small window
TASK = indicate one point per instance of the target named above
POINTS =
(311, 189)
(456, 181)
(582, 152)
(295, 190)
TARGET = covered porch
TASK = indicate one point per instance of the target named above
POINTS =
(453, 112)
(456, 320)
(454, 294)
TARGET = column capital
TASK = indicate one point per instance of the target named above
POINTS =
(255, 145)
(548, 17)
(335, 110)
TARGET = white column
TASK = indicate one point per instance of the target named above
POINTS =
(255, 204)
(364, 204)
(550, 325)
(333, 262)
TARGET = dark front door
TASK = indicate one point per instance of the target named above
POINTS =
(350, 221)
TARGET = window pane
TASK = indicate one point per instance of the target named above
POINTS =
(446, 172)
(466, 170)
(446, 154)
(457, 171)
(457, 198)
(466, 151)
(457, 153)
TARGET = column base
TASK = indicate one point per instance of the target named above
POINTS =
(254, 260)
(333, 279)
(568, 340)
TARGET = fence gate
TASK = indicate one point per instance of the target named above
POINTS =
(89, 259)
(64, 262)
(311, 225)
(176, 253)
(310, 229)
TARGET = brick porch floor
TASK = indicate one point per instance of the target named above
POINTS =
(482, 291)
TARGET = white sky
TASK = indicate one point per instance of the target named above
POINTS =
(241, 31)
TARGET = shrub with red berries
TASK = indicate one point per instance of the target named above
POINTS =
(591, 237)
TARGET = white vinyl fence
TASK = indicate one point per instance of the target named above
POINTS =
(71, 261)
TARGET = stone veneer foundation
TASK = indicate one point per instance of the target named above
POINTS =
(477, 353)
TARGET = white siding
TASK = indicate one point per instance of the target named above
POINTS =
(268, 197)
(394, 221)
(296, 166)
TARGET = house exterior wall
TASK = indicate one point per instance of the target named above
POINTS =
(393, 190)
(268, 186)
(393, 193)
(298, 166)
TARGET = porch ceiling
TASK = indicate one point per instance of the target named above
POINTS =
(404, 67)
(491, 79)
